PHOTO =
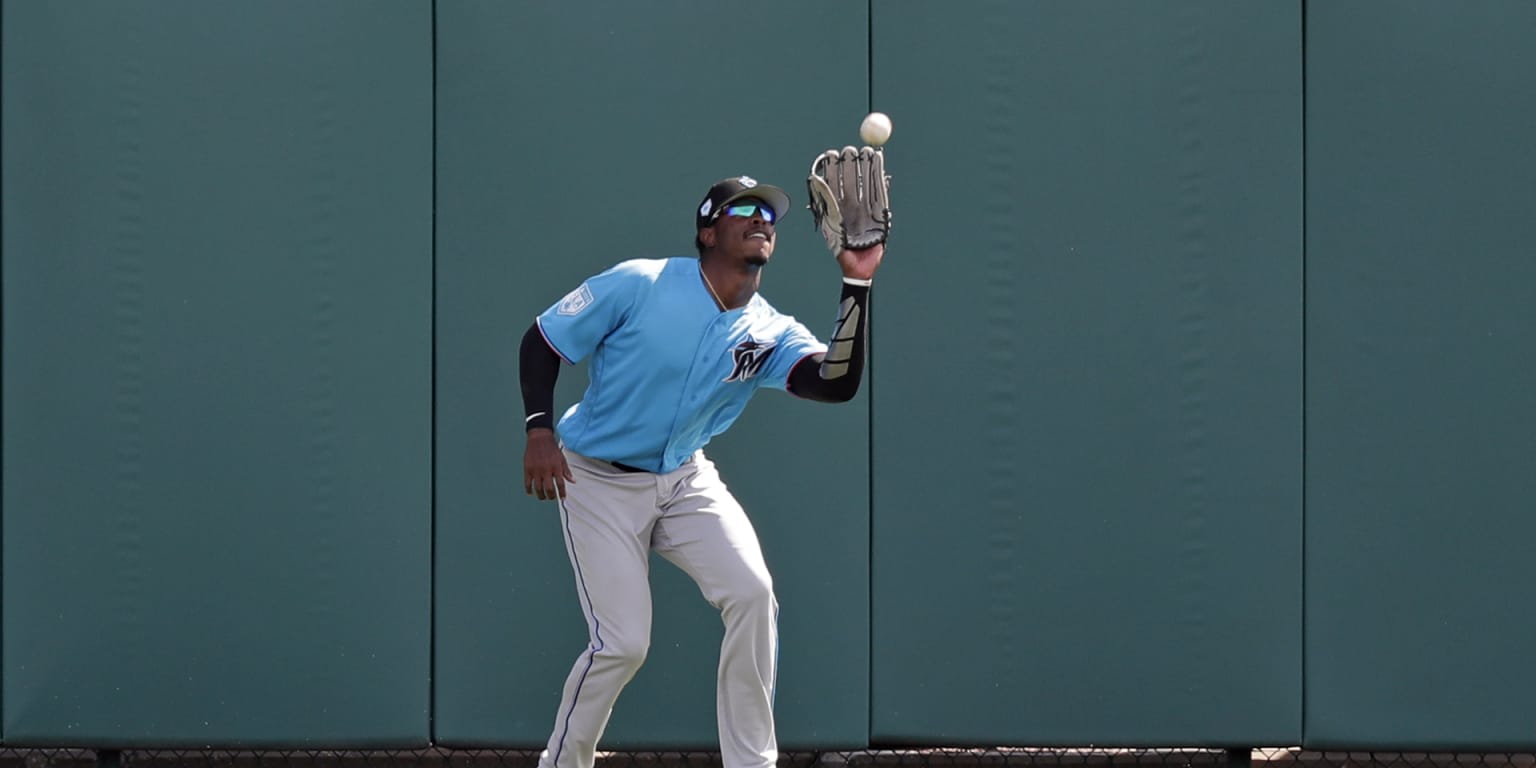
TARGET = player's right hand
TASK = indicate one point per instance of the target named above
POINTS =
(545, 472)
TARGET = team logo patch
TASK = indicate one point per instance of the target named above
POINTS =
(747, 359)
(575, 301)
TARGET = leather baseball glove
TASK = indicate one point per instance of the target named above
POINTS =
(850, 198)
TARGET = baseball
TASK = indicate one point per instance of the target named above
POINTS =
(876, 129)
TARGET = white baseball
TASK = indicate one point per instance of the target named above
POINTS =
(876, 129)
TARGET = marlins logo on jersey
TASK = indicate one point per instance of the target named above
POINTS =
(748, 358)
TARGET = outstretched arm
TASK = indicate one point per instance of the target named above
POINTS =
(834, 376)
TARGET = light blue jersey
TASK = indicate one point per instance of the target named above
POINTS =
(669, 370)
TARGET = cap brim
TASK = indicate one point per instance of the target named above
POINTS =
(776, 198)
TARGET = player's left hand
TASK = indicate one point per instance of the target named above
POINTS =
(850, 197)
(861, 264)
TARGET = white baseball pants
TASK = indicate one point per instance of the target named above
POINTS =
(612, 520)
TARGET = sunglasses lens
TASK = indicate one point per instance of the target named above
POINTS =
(745, 210)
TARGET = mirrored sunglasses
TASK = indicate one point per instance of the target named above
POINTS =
(746, 210)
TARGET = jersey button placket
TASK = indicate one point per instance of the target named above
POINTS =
(697, 385)
(708, 351)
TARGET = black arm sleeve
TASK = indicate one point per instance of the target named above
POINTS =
(538, 369)
(836, 374)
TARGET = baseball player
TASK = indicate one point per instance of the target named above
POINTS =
(677, 346)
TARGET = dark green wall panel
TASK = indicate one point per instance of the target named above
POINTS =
(1086, 422)
(217, 355)
(572, 136)
(1420, 383)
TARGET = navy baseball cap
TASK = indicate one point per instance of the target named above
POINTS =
(727, 191)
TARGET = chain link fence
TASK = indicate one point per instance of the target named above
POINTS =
(914, 758)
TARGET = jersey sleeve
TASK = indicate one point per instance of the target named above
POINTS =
(795, 343)
(577, 323)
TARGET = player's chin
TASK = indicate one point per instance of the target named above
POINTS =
(759, 255)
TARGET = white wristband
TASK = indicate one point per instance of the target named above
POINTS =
(857, 281)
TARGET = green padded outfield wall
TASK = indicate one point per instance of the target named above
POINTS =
(1086, 422)
(1086, 525)
(217, 373)
(571, 136)
(1421, 387)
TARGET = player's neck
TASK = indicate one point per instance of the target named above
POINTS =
(733, 285)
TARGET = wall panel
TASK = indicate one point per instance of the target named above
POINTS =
(217, 362)
(1086, 426)
(1420, 386)
(572, 136)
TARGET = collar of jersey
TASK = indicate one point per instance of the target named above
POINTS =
(751, 305)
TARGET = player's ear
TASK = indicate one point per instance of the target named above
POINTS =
(707, 237)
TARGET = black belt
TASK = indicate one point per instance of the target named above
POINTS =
(626, 467)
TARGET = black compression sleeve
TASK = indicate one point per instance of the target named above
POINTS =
(538, 369)
(836, 376)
